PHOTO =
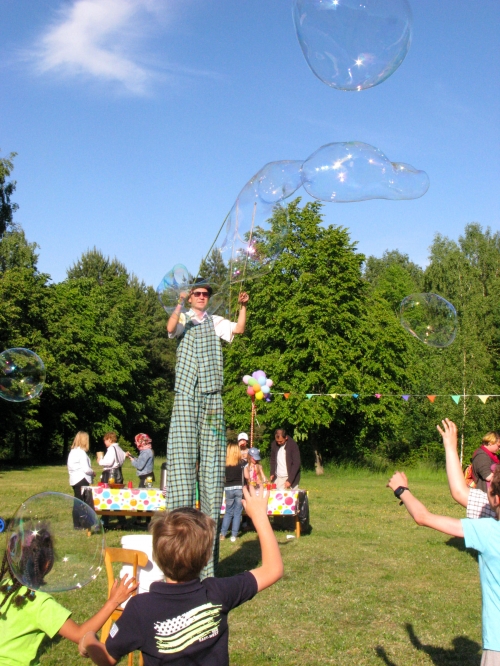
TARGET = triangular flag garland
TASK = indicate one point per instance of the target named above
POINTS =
(405, 396)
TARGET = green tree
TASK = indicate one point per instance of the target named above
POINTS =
(7, 188)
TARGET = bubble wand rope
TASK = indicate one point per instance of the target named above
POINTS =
(215, 239)
(249, 245)
(231, 260)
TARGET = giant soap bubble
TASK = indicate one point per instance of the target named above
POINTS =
(22, 375)
(55, 543)
(178, 280)
(356, 171)
(353, 44)
(430, 318)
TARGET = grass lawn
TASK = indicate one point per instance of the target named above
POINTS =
(365, 587)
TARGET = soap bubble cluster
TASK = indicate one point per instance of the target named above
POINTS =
(22, 375)
(337, 172)
(353, 44)
(430, 318)
(55, 543)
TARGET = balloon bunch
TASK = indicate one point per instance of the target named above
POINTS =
(259, 386)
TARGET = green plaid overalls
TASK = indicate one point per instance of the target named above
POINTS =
(197, 430)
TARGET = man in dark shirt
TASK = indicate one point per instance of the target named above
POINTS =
(285, 461)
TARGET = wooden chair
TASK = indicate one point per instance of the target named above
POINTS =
(125, 556)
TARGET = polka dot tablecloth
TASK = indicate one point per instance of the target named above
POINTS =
(280, 503)
(128, 499)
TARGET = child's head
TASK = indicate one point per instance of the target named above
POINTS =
(35, 562)
(494, 486)
(110, 438)
(182, 542)
(233, 455)
(243, 440)
(254, 454)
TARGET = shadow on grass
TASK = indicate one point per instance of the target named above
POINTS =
(247, 556)
(465, 652)
(459, 544)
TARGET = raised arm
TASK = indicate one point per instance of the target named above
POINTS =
(271, 569)
(174, 317)
(243, 299)
(420, 514)
(458, 488)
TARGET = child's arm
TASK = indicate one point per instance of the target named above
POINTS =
(246, 473)
(420, 514)
(120, 592)
(272, 564)
(458, 488)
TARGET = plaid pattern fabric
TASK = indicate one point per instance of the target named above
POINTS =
(478, 505)
(197, 429)
(199, 366)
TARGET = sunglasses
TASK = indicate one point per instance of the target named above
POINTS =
(198, 294)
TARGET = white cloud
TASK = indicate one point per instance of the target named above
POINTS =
(100, 39)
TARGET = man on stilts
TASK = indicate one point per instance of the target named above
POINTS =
(197, 430)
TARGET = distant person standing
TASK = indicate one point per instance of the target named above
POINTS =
(80, 471)
(285, 461)
(144, 464)
(243, 444)
(483, 458)
(113, 460)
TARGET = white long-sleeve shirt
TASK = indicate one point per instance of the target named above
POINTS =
(79, 467)
(114, 457)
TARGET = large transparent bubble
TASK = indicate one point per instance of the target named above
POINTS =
(178, 281)
(22, 375)
(353, 44)
(278, 180)
(55, 543)
(356, 171)
(430, 318)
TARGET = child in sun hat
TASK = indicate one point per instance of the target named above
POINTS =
(243, 444)
(254, 474)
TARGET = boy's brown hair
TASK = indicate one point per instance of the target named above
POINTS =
(182, 542)
(111, 435)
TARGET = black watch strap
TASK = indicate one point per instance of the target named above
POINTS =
(399, 491)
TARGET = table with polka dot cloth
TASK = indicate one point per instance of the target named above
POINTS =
(128, 499)
(280, 503)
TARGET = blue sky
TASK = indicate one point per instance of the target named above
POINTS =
(137, 122)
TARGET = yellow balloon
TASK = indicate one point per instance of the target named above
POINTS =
(259, 395)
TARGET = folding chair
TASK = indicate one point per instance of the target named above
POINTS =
(125, 556)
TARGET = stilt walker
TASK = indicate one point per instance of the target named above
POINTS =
(197, 429)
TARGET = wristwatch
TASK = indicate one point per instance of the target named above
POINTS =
(399, 491)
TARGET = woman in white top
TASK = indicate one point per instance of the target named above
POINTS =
(80, 471)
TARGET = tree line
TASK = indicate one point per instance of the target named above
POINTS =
(323, 320)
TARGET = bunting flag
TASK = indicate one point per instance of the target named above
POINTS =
(405, 396)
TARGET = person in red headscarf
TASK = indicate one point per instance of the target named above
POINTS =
(144, 464)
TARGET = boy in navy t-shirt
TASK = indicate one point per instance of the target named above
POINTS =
(482, 535)
(184, 620)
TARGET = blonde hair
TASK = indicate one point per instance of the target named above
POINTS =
(81, 441)
(490, 438)
(233, 455)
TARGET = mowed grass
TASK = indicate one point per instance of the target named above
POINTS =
(367, 586)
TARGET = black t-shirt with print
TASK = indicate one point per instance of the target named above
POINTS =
(181, 623)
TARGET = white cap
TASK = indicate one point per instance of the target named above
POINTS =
(242, 435)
